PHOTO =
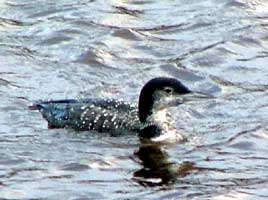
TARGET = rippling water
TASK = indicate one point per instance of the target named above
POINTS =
(75, 49)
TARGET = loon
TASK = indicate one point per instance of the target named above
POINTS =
(149, 118)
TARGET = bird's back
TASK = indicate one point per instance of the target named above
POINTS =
(102, 115)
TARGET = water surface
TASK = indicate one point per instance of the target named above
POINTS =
(95, 48)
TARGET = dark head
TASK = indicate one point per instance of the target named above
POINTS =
(159, 93)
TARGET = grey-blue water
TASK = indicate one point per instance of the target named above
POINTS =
(96, 48)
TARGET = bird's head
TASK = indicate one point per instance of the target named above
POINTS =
(163, 92)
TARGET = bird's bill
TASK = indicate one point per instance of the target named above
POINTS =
(195, 96)
(180, 99)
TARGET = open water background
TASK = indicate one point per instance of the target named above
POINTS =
(97, 48)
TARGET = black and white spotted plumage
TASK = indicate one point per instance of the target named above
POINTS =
(148, 118)
(102, 115)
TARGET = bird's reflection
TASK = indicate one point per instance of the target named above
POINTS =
(157, 170)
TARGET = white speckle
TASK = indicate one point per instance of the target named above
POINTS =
(114, 117)
(92, 106)
(96, 119)
(83, 107)
(83, 122)
(85, 112)
(92, 113)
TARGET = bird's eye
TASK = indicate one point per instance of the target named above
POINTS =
(168, 90)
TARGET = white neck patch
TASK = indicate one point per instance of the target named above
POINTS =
(160, 116)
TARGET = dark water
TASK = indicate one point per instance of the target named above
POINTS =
(74, 49)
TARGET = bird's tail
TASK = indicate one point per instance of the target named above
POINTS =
(35, 106)
(55, 112)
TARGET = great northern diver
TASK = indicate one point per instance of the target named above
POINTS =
(149, 118)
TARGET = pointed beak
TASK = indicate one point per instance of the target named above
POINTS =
(180, 99)
(195, 96)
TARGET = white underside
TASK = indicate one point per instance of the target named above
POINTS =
(169, 134)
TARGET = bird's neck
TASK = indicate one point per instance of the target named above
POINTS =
(153, 119)
(150, 131)
(159, 116)
(145, 107)
(156, 124)
(149, 108)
